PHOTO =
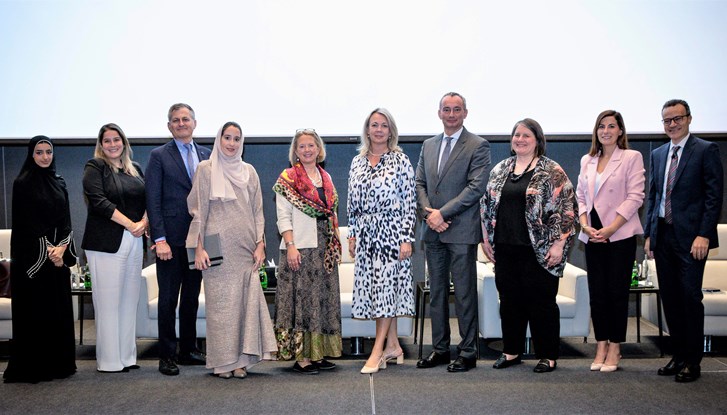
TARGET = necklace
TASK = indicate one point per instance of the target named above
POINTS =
(317, 181)
(515, 177)
(371, 153)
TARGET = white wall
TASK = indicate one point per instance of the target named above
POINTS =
(68, 66)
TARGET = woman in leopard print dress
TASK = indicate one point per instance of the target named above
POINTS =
(381, 218)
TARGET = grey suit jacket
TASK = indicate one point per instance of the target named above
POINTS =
(457, 192)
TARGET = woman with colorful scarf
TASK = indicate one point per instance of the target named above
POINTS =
(307, 301)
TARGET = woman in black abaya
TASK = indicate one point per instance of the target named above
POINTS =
(42, 249)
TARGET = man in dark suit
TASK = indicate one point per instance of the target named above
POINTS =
(168, 182)
(451, 178)
(685, 201)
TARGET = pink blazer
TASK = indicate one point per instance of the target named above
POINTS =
(621, 192)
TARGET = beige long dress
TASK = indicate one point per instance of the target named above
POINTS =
(239, 329)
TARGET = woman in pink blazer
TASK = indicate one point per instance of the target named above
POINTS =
(610, 192)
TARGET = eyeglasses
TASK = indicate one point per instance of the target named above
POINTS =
(305, 131)
(678, 119)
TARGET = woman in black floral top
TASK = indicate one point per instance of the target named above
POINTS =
(528, 214)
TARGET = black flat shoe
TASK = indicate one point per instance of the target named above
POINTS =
(311, 369)
(690, 373)
(434, 359)
(324, 364)
(543, 366)
(462, 364)
(502, 362)
(672, 368)
(132, 367)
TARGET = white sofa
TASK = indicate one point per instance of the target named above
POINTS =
(572, 299)
(715, 303)
(6, 323)
(147, 309)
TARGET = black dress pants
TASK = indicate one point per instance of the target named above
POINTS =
(527, 295)
(609, 278)
(680, 285)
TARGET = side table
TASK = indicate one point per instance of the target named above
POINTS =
(639, 291)
(81, 293)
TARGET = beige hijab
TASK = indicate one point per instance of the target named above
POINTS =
(227, 171)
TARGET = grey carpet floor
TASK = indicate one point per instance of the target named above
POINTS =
(273, 388)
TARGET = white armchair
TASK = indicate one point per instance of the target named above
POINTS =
(715, 303)
(147, 311)
(573, 302)
(6, 318)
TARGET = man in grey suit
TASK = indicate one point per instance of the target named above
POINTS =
(451, 178)
(685, 201)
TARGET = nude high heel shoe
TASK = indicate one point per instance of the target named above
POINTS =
(399, 357)
(611, 368)
(367, 370)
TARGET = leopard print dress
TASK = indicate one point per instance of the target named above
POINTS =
(382, 216)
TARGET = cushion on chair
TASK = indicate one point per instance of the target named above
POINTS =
(5, 313)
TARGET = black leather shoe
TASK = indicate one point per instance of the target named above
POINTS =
(462, 364)
(132, 367)
(311, 369)
(434, 359)
(544, 366)
(690, 373)
(672, 368)
(324, 365)
(193, 358)
(168, 367)
(503, 363)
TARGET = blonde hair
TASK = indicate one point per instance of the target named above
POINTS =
(292, 158)
(392, 143)
(126, 154)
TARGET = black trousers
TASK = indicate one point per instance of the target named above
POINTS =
(527, 295)
(680, 285)
(609, 278)
(174, 276)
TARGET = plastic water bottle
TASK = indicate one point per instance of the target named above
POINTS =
(263, 277)
(87, 278)
(635, 275)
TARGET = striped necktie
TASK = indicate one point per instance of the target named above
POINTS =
(190, 160)
(445, 154)
(670, 184)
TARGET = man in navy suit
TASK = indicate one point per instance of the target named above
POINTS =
(451, 178)
(168, 182)
(685, 201)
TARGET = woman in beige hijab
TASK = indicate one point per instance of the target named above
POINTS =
(226, 201)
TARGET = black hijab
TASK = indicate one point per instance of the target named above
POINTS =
(40, 199)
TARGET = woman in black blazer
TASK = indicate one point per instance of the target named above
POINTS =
(116, 221)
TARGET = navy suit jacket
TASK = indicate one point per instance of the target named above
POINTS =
(696, 198)
(167, 187)
(457, 192)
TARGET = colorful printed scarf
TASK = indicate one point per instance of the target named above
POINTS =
(298, 189)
